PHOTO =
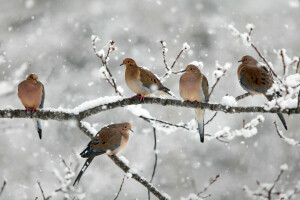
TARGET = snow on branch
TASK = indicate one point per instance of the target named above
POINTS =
(285, 139)
(217, 74)
(129, 171)
(247, 131)
(185, 47)
(104, 57)
(68, 114)
(268, 190)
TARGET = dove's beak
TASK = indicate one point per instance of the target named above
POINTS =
(240, 61)
(122, 64)
(131, 130)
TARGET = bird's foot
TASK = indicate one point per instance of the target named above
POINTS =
(141, 97)
(195, 102)
(27, 109)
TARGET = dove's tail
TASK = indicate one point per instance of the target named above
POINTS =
(85, 166)
(38, 127)
(200, 120)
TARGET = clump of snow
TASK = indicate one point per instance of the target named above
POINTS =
(89, 127)
(250, 27)
(95, 38)
(246, 39)
(96, 102)
(129, 175)
(199, 64)
(124, 160)
(247, 131)
(284, 167)
(228, 101)
(221, 70)
(185, 46)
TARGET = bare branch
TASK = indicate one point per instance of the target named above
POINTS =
(44, 198)
(164, 48)
(242, 96)
(155, 161)
(2, 188)
(211, 182)
(167, 124)
(120, 187)
(287, 140)
(283, 62)
(127, 169)
(211, 118)
(298, 65)
(274, 184)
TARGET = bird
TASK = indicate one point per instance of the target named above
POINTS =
(31, 92)
(193, 87)
(109, 140)
(257, 80)
(141, 81)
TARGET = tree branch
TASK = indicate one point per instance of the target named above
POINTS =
(61, 114)
(120, 187)
(2, 188)
(127, 169)
(155, 161)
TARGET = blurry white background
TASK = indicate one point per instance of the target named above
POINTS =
(53, 39)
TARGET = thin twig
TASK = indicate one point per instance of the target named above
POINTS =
(242, 96)
(211, 118)
(283, 62)
(211, 182)
(2, 188)
(298, 104)
(287, 140)
(155, 161)
(120, 187)
(164, 122)
(298, 65)
(44, 198)
(164, 54)
(274, 184)
(264, 59)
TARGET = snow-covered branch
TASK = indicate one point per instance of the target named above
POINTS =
(268, 190)
(96, 106)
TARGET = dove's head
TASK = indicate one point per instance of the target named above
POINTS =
(128, 62)
(248, 60)
(32, 77)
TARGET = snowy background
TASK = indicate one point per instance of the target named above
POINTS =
(53, 39)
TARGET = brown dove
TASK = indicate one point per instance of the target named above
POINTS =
(141, 81)
(32, 94)
(256, 80)
(193, 87)
(109, 140)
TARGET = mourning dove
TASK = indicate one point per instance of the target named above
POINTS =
(142, 81)
(193, 87)
(32, 94)
(256, 80)
(108, 141)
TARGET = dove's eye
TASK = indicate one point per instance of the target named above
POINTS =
(125, 126)
(128, 61)
(191, 68)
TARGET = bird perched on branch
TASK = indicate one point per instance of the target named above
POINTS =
(141, 81)
(193, 87)
(257, 80)
(32, 94)
(109, 140)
